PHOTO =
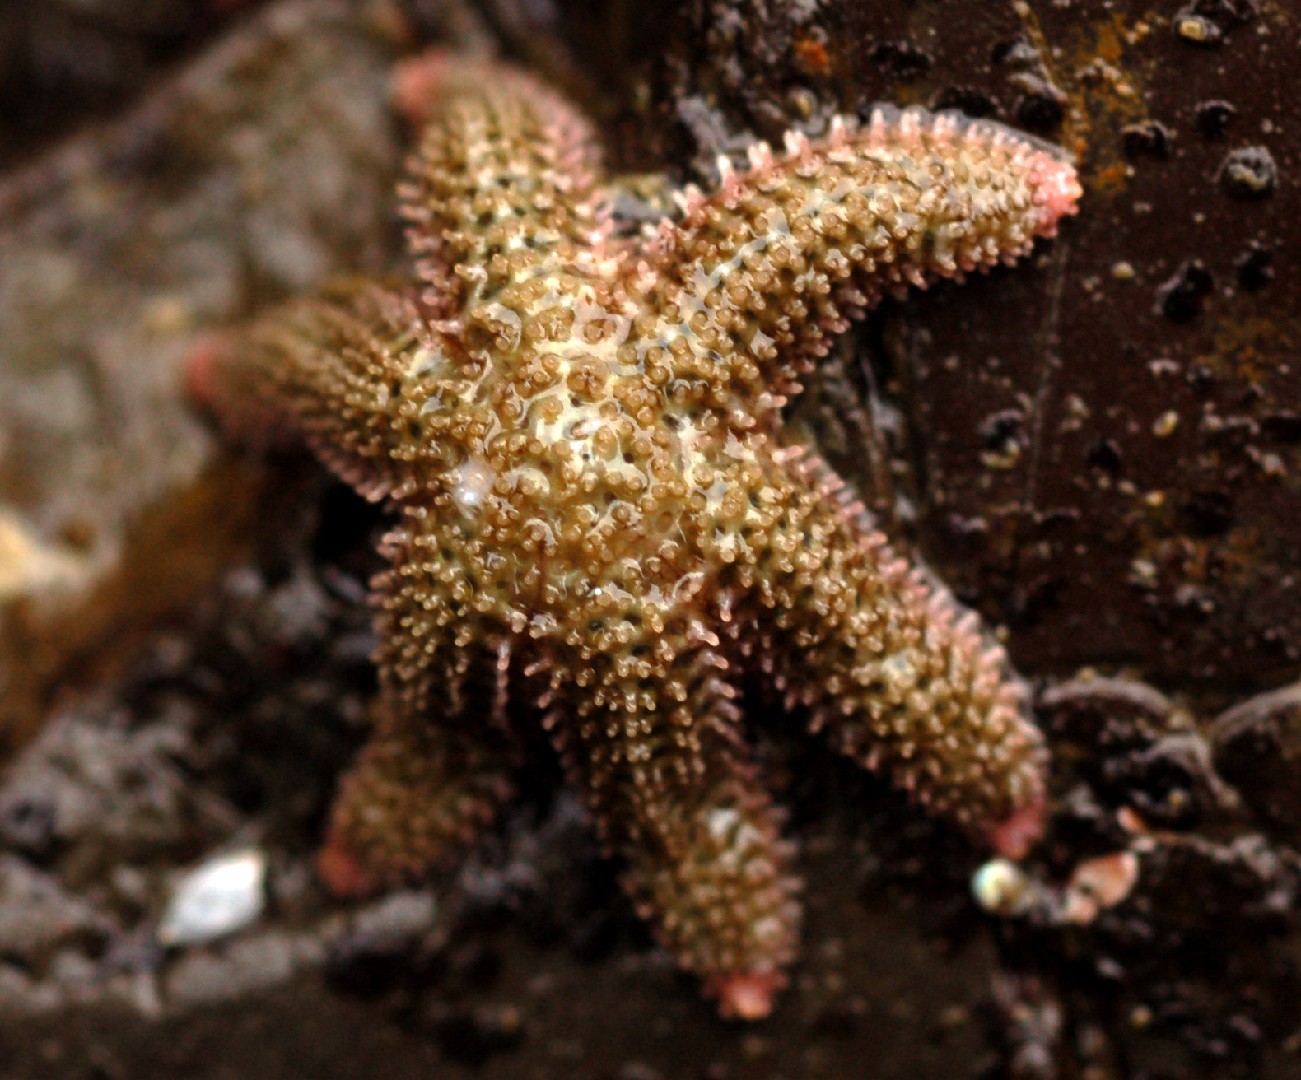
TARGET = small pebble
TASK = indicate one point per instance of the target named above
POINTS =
(1249, 173)
(1198, 29)
(218, 898)
(1001, 888)
(1106, 880)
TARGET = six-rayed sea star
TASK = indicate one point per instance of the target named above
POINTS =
(596, 510)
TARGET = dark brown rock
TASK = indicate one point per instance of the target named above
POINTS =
(1258, 749)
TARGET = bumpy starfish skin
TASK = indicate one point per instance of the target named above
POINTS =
(580, 435)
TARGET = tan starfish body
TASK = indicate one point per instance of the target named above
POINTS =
(596, 510)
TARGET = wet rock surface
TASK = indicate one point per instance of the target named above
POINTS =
(1100, 451)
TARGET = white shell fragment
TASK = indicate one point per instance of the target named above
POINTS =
(1098, 884)
(1001, 888)
(219, 897)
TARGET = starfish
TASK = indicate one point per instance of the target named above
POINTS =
(579, 431)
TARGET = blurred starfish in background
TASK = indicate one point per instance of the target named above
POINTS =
(580, 433)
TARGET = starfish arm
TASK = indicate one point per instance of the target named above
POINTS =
(675, 795)
(327, 370)
(503, 185)
(440, 760)
(419, 792)
(755, 280)
(891, 668)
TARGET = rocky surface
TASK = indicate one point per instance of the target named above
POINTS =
(261, 168)
(525, 963)
(1135, 479)
(1101, 452)
(1100, 455)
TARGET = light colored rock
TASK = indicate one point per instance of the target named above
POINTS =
(266, 166)
(224, 895)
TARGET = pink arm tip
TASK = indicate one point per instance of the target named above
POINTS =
(1016, 834)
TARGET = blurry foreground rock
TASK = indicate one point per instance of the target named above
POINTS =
(61, 60)
(264, 167)
(524, 963)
